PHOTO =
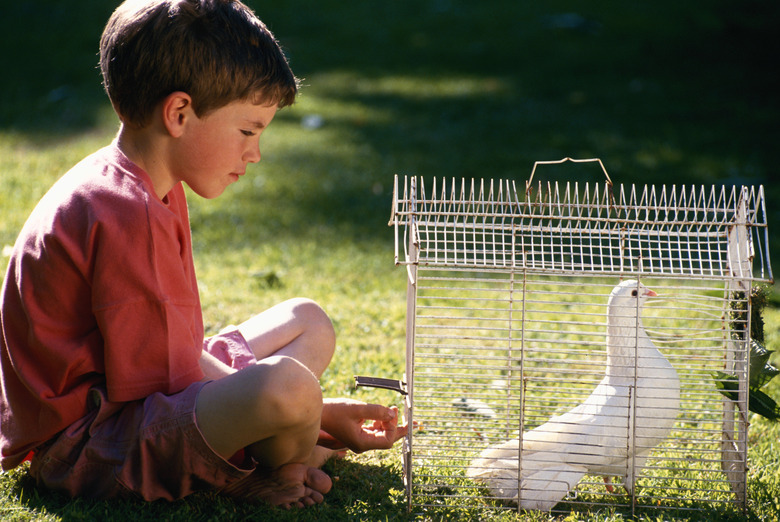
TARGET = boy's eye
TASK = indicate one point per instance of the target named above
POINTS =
(247, 133)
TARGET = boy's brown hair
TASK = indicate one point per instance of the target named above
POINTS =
(217, 51)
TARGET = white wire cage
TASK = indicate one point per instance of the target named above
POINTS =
(507, 326)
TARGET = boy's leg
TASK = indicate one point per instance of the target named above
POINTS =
(297, 328)
(273, 410)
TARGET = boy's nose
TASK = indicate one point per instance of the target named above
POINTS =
(253, 155)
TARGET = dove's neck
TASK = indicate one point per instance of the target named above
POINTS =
(624, 334)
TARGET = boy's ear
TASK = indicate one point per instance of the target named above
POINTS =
(176, 110)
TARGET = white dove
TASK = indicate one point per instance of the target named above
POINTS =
(597, 436)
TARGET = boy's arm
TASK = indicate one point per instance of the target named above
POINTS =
(212, 367)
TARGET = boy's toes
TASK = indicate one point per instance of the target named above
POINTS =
(319, 481)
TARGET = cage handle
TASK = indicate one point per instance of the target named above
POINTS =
(529, 188)
(564, 160)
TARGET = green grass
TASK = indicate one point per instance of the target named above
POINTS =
(662, 92)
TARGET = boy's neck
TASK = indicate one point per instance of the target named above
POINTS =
(142, 147)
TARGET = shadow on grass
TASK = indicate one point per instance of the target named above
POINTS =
(361, 491)
(43, 504)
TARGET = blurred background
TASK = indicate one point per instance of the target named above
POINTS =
(664, 92)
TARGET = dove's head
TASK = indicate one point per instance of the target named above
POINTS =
(627, 299)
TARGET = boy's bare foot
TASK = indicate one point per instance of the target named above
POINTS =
(322, 455)
(292, 485)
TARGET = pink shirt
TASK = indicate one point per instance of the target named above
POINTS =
(100, 291)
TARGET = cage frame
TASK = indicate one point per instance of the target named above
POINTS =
(737, 217)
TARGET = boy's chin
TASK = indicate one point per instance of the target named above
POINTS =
(208, 193)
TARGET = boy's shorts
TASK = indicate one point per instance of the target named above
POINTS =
(150, 448)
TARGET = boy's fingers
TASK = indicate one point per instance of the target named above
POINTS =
(379, 412)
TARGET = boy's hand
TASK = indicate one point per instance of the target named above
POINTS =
(344, 425)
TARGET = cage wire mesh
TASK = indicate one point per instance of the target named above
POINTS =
(507, 325)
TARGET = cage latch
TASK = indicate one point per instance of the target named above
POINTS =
(379, 382)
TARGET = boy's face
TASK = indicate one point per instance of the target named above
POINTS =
(214, 150)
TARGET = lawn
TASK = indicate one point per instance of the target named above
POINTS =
(663, 92)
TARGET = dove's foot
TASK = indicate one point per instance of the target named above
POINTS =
(611, 488)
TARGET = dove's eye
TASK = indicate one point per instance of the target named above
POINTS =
(634, 293)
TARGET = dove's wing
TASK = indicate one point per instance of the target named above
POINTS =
(594, 434)
(558, 453)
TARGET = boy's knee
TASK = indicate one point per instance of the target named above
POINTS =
(289, 392)
(315, 319)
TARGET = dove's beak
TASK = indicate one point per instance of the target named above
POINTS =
(650, 293)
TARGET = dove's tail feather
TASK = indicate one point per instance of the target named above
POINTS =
(499, 475)
(543, 488)
(544, 481)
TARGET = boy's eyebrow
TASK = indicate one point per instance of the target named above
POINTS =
(257, 124)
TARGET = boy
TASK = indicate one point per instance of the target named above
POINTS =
(106, 382)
